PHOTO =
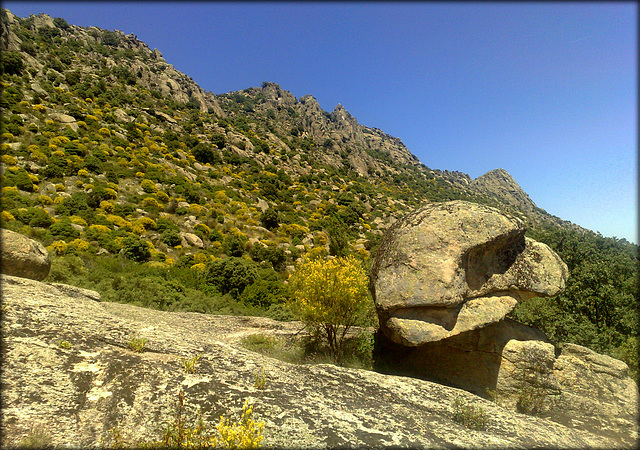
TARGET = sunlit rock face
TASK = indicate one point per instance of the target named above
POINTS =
(457, 266)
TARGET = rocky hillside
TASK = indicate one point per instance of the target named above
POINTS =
(146, 188)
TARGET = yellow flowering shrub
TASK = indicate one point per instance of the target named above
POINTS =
(151, 202)
(331, 296)
(148, 186)
(111, 193)
(59, 140)
(195, 209)
(221, 197)
(203, 228)
(142, 224)
(80, 245)
(118, 221)
(6, 216)
(294, 230)
(199, 267)
(59, 247)
(83, 173)
(104, 132)
(107, 205)
(60, 187)
(245, 433)
(99, 228)
(7, 189)
(162, 196)
(78, 220)
(9, 160)
(39, 108)
(200, 257)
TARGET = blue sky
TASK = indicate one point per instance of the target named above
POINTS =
(547, 91)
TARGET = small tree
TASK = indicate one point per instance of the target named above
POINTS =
(135, 249)
(331, 296)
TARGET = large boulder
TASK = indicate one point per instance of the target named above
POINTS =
(443, 281)
(457, 266)
(24, 257)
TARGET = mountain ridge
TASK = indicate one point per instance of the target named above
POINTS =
(339, 126)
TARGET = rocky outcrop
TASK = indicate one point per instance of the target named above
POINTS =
(77, 392)
(498, 184)
(23, 257)
(443, 281)
(456, 266)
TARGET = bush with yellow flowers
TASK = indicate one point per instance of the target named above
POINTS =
(331, 296)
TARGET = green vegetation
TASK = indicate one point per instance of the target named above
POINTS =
(137, 344)
(470, 416)
(64, 344)
(599, 308)
(308, 349)
(190, 364)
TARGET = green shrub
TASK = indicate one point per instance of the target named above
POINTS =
(231, 275)
(264, 293)
(233, 245)
(531, 400)
(190, 364)
(171, 237)
(470, 416)
(64, 230)
(41, 218)
(11, 63)
(270, 219)
(135, 249)
(137, 344)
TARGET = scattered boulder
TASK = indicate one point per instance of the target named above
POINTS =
(24, 257)
(191, 239)
(65, 119)
(456, 266)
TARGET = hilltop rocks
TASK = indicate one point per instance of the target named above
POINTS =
(452, 267)
(77, 394)
(24, 257)
(499, 184)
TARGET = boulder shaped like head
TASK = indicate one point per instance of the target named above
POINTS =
(457, 266)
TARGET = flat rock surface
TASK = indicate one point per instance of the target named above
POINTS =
(79, 393)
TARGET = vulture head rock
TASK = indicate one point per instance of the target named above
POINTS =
(456, 266)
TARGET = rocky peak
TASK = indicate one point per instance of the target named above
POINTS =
(500, 185)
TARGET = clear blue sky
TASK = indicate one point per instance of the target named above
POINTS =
(547, 91)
